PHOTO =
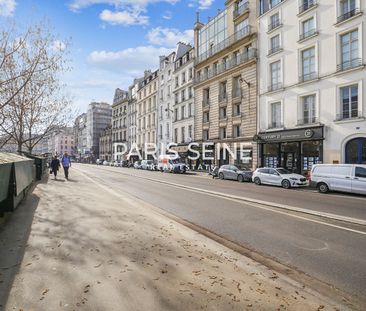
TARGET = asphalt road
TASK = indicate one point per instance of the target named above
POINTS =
(335, 254)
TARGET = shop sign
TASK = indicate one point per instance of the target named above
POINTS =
(291, 135)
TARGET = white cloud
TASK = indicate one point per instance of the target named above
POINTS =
(168, 15)
(169, 36)
(58, 45)
(7, 7)
(130, 62)
(124, 17)
(205, 4)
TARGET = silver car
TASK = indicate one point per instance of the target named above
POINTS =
(278, 177)
(234, 173)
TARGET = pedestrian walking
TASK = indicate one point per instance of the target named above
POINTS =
(66, 164)
(55, 165)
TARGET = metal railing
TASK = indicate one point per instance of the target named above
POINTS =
(275, 50)
(275, 87)
(246, 31)
(349, 64)
(235, 61)
(308, 34)
(306, 5)
(275, 125)
(276, 23)
(348, 15)
(239, 10)
(308, 77)
(349, 114)
(308, 120)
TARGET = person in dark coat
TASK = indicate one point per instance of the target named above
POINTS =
(55, 165)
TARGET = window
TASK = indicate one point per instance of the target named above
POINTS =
(183, 112)
(349, 102)
(223, 94)
(190, 133)
(241, 29)
(306, 4)
(236, 110)
(273, 3)
(190, 110)
(183, 134)
(222, 132)
(206, 97)
(275, 69)
(308, 109)
(206, 117)
(308, 64)
(274, 44)
(236, 87)
(223, 113)
(176, 114)
(274, 21)
(347, 9)
(308, 28)
(205, 135)
(349, 51)
(236, 131)
(360, 172)
(225, 63)
(183, 95)
(176, 135)
(190, 93)
(276, 115)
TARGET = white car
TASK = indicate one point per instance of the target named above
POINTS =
(105, 163)
(339, 177)
(278, 177)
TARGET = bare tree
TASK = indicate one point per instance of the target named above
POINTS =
(34, 101)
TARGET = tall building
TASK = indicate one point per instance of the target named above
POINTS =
(183, 122)
(106, 145)
(165, 101)
(132, 114)
(80, 136)
(225, 82)
(120, 119)
(312, 83)
(99, 117)
(147, 112)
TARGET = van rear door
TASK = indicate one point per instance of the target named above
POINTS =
(359, 180)
(341, 178)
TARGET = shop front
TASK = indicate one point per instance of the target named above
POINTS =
(296, 150)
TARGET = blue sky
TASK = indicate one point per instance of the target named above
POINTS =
(112, 41)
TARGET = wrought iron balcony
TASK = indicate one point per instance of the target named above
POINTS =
(241, 9)
(349, 114)
(306, 5)
(308, 77)
(348, 15)
(308, 34)
(276, 23)
(349, 64)
(275, 87)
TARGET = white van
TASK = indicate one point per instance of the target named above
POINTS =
(171, 163)
(339, 177)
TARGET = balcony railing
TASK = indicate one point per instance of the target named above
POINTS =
(307, 4)
(308, 77)
(275, 125)
(235, 61)
(349, 114)
(308, 34)
(246, 31)
(349, 64)
(241, 9)
(276, 23)
(348, 15)
(308, 120)
(275, 50)
(275, 87)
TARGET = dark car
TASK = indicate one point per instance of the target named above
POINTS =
(235, 173)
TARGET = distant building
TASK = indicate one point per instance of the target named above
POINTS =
(120, 119)
(61, 141)
(99, 117)
(80, 135)
(105, 144)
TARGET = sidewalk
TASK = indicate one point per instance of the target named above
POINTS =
(91, 248)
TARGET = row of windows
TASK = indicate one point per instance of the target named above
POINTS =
(236, 112)
(236, 133)
(184, 113)
(183, 134)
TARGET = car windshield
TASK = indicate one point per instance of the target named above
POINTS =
(282, 171)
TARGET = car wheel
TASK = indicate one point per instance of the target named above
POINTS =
(221, 176)
(323, 188)
(286, 184)
(257, 181)
(240, 178)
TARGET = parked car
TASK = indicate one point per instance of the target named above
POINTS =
(105, 163)
(99, 162)
(117, 164)
(339, 177)
(137, 165)
(234, 173)
(278, 177)
(147, 164)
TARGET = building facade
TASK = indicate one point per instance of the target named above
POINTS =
(183, 121)
(80, 136)
(226, 83)
(61, 141)
(165, 102)
(119, 120)
(147, 112)
(99, 117)
(132, 113)
(312, 83)
(106, 144)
